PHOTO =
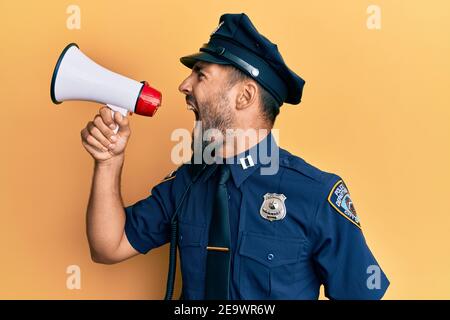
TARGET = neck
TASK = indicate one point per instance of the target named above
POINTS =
(239, 141)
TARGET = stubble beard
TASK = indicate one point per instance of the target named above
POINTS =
(215, 118)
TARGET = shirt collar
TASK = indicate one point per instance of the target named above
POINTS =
(246, 163)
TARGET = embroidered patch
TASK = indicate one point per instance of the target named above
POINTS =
(339, 198)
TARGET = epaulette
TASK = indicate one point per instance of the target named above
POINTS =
(299, 165)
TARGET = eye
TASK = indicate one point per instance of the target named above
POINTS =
(201, 75)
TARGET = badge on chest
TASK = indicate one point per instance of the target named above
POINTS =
(273, 207)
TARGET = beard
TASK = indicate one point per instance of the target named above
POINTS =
(213, 117)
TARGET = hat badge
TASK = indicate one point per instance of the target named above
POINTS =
(273, 207)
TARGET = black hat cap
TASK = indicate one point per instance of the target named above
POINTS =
(236, 42)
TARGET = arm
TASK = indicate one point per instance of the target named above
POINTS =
(105, 217)
(340, 252)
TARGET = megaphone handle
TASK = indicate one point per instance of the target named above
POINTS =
(123, 111)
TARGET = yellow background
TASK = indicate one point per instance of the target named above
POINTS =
(375, 110)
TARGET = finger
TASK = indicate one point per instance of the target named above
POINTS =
(84, 133)
(96, 133)
(106, 115)
(96, 144)
(123, 122)
(104, 129)
(91, 149)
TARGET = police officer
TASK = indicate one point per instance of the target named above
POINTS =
(261, 224)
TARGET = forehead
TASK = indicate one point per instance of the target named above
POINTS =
(211, 68)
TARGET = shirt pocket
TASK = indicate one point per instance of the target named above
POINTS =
(192, 255)
(268, 264)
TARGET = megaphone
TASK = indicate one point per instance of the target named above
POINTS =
(77, 77)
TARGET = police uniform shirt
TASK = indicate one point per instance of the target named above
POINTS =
(318, 240)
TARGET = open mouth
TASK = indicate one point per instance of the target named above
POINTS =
(192, 107)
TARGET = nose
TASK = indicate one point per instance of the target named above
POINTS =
(185, 86)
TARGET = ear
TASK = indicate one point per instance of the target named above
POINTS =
(247, 95)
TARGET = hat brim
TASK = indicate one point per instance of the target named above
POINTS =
(191, 60)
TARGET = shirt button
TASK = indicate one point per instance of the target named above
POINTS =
(270, 257)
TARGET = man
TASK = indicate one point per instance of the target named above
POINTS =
(248, 228)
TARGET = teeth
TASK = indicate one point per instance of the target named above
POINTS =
(189, 107)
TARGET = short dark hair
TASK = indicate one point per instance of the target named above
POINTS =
(269, 105)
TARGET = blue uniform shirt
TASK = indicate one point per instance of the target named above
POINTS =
(318, 241)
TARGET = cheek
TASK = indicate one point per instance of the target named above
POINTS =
(203, 95)
(198, 93)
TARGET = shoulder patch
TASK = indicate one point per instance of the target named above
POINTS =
(339, 198)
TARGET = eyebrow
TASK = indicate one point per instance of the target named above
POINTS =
(199, 68)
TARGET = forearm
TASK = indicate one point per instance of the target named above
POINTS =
(105, 219)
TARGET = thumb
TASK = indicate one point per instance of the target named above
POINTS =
(124, 128)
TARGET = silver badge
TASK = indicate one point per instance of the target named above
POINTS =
(273, 207)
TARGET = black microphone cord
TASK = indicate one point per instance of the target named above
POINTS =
(173, 239)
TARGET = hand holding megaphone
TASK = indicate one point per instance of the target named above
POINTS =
(99, 139)
(77, 77)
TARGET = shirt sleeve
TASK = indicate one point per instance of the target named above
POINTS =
(343, 260)
(147, 224)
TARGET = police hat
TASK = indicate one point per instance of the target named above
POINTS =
(236, 42)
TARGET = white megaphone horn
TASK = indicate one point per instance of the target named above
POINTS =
(76, 77)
